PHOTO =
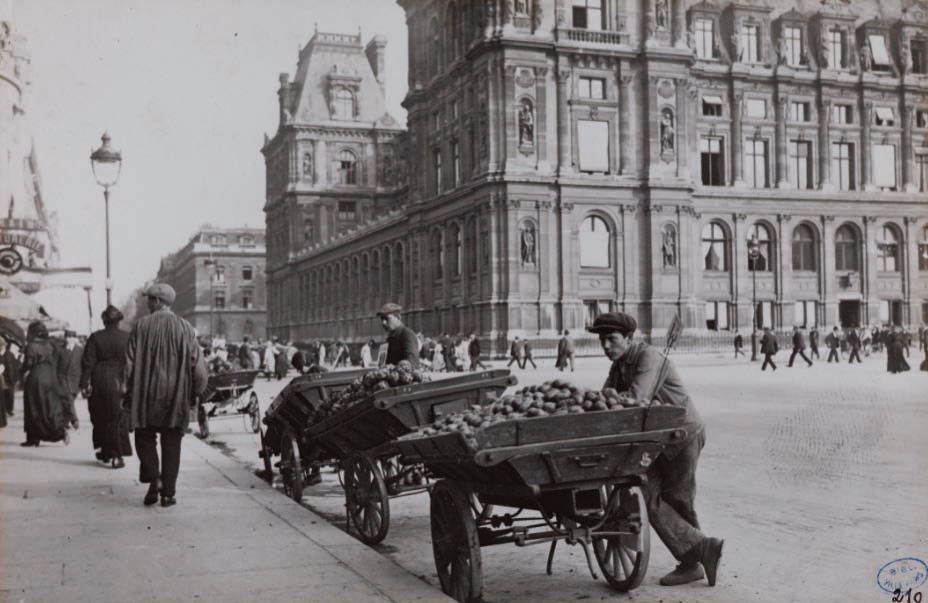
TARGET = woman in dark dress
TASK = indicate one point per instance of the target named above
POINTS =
(895, 360)
(43, 396)
(101, 381)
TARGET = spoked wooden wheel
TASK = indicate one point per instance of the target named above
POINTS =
(623, 559)
(291, 468)
(251, 418)
(455, 544)
(202, 421)
(366, 498)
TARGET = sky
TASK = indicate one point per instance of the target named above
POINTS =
(186, 89)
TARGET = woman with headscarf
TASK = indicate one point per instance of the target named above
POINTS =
(101, 381)
(43, 396)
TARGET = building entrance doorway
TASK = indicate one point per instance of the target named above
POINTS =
(849, 313)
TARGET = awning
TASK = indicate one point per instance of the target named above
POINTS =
(884, 113)
(712, 100)
(19, 307)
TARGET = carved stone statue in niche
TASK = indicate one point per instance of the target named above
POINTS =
(526, 124)
(308, 165)
(528, 244)
(866, 57)
(660, 9)
(825, 51)
(519, 7)
(667, 131)
(669, 247)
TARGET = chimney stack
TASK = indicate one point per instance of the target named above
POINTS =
(375, 56)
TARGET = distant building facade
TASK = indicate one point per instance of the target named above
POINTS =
(565, 158)
(219, 279)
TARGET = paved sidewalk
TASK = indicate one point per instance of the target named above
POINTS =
(73, 529)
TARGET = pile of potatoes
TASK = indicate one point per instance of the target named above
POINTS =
(552, 398)
(365, 387)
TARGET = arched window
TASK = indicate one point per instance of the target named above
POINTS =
(923, 251)
(437, 253)
(888, 250)
(308, 231)
(803, 248)
(714, 247)
(365, 282)
(594, 243)
(454, 236)
(344, 104)
(385, 276)
(846, 249)
(347, 168)
(434, 58)
(471, 246)
(762, 262)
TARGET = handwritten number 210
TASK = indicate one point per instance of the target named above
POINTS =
(907, 596)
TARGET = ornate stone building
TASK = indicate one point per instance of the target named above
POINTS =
(220, 283)
(567, 157)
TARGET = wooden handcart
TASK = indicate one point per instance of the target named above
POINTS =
(227, 395)
(579, 476)
(362, 438)
(286, 418)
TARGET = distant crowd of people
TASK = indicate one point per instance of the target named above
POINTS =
(850, 341)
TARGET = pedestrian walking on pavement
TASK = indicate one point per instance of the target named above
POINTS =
(10, 364)
(565, 352)
(69, 373)
(739, 344)
(768, 347)
(164, 371)
(527, 355)
(101, 384)
(833, 340)
(799, 346)
(516, 352)
(641, 372)
(853, 343)
(813, 344)
(473, 350)
(43, 398)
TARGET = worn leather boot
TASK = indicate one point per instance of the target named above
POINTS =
(708, 553)
(684, 573)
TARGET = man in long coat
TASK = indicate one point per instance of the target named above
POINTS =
(164, 371)
(69, 373)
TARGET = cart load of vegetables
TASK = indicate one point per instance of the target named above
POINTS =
(363, 388)
(551, 398)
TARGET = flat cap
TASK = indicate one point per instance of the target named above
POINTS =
(613, 321)
(388, 309)
(161, 291)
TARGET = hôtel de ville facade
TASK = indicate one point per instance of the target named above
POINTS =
(567, 157)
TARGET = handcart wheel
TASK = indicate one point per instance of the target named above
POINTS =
(455, 544)
(390, 476)
(290, 467)
(252, 419)
(202, 421)
(623, 559)
(366, 497)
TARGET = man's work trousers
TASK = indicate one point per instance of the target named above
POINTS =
(671, 492)
(799, 352)
(146, 448)
(768, 359)
(855, 353)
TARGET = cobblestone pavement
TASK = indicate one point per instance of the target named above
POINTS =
(815, 476)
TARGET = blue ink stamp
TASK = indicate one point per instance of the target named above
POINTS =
(902, 574)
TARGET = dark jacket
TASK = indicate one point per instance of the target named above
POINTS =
(473, 348)
(402, 344)
(799, 340)
(100, 369)
(768, 344)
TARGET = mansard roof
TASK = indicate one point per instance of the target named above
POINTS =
(330, 61)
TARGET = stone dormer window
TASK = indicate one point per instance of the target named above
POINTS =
(343, 93)
(792, 43)
(884, 116)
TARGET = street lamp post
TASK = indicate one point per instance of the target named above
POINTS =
(211, 266)
(753, 254)
(106, 163)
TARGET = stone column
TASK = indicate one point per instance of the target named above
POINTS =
(736, 266)
(826, 269)
(541, 113)
(627, 130)
(496, 99)
(906, 152)
(824, 147)
(784, 269)
(563, 121)
(866, 151)
(781, 143)
(678, 23)
(681, 132)
(867, 266)
(737, 152)
(909, 267)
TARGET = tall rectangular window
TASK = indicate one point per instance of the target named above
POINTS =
(455, 162)
(248, 299)
(792, 39)
(220, 274)
(592, 87)
(919, 50)
(247, 273)
(711, 161)
(799, 111)
(883, 116)
(588, 14)
(593, 145)
(705, 38)
(835, 44)
(800, 163)
(750, 38)
(878, 51)
(921, 172)
(763, 314)
(717, 315)
(219, 300)
(805, 313)
(755, 163)
(841, 114)
(712, 106)
(842, 165)
(884, 166)
(347, 211)
(436, 166)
